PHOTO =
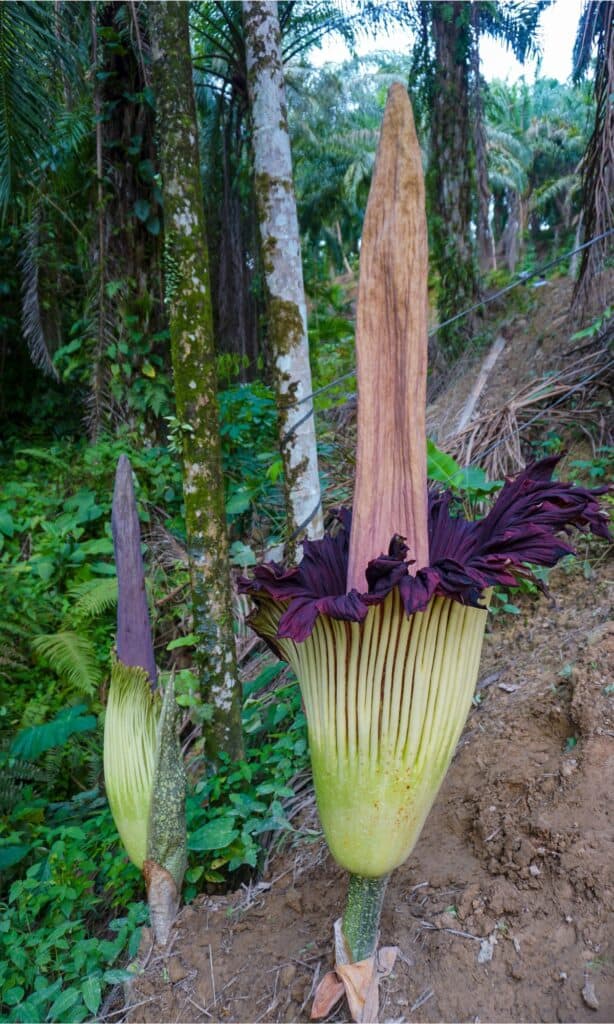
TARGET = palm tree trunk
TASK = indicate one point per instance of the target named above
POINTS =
(449, 179)
(188, 302)
(485, 245)
(287, 314)
(598, 165)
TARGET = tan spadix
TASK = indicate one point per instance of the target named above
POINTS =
(390, 493)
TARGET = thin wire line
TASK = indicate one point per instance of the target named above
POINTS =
(306, 522)
(522, 278)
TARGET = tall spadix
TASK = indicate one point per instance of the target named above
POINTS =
(390, 494)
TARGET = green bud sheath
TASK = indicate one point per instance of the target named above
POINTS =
(130, 738)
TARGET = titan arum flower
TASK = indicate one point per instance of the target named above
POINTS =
(143, 766)
(384, 618)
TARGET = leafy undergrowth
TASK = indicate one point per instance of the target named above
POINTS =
(73, 904)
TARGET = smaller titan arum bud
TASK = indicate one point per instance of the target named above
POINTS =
(143, 765)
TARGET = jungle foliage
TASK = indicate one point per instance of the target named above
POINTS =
(85, 375)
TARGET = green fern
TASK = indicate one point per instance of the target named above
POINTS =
(15, 774)
(37, 710)
(73, 657)
(10, 661)
(93, 598)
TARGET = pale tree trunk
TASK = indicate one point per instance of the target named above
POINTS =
(188, 302)
(287, 314)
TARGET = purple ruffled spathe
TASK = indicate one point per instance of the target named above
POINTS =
(466, 557)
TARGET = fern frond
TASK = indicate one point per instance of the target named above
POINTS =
(15, 774)
(72, 656)
(93, 598)
(36, 711)
(10, 660)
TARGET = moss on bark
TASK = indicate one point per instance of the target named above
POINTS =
(188, 301)
(281, 253)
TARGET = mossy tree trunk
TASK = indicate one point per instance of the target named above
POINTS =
(287, 314)
(188, 301)
(451, 169)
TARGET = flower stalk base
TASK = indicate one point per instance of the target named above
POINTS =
(362, 915)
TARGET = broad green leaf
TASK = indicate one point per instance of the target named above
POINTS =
(65, 1000)
(30, 743)
(10, 855)
(7, 526)
(216, 835)
(440, 467)
(116, 976)
(142, 209)
(182, 641)
(91, 992)
(13, 995)
(238, 502)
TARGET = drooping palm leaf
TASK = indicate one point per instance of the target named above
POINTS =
(31, 321)
(26, 33)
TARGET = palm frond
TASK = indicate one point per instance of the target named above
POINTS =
(73, 657)
(552, 189)
(514, 23)
(591, 25)
(31, 321)
(26, 107)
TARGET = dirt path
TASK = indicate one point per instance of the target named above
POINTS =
(505, 910)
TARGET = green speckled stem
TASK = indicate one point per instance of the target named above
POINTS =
(362, 913)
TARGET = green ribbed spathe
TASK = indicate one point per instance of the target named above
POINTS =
(386, 701)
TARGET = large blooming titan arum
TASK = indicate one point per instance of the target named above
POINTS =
(384, 618)
(143, 766)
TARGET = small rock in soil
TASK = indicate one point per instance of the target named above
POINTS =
(589, 995)
(176, 970)
(287, 975)
(294, 901)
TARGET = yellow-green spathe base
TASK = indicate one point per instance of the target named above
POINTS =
(386, 701)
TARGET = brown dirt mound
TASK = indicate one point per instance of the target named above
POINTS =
(503, 912)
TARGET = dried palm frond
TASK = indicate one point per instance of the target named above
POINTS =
(31, 320)
(493, 438)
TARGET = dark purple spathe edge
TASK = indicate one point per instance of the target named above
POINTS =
(466, 557)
